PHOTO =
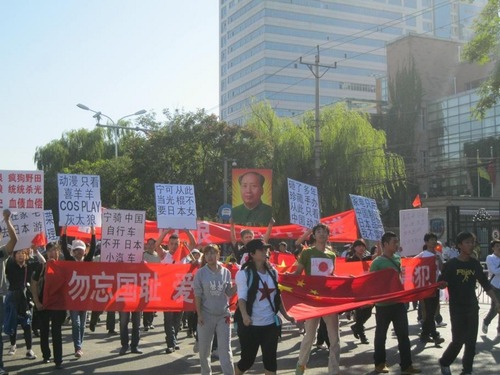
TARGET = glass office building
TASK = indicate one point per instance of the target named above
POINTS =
(261, 42)
(450, 125)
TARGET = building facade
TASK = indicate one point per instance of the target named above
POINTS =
(261, 42)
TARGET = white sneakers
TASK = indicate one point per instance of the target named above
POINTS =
(12, 350)
(30, 354)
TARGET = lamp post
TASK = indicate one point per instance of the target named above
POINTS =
(233, 164)
(115, 125)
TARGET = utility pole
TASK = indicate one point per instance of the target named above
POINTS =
(314, 68)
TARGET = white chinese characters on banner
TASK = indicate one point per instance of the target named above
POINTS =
(368, 217)
(413, 225)
(26, 225)
(21, 190)
(122, 236)
(175, 206)
(79, 200)
(304, 204)
(50, 229)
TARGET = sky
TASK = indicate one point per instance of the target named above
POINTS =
(114, 56)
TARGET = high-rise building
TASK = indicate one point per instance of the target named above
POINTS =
(261, 42)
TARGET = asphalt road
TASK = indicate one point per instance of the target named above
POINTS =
(101, 353)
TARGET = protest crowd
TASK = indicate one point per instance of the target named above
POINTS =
(251, 284)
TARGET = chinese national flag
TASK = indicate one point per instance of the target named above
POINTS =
(181, 252)
(39, 240)
(307, 297)
(283, 262)
(416, 202)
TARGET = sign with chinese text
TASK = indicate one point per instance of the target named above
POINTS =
(21, 190)
(79, 200)
(122, 236)
(50, 229)
(368, 217)
(26, 225)
(304, 204)
(413, 225)
(175, 206)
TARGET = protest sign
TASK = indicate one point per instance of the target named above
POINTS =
(413, 225)
(50, 230)
(304, 203)
(79, 200)
(21, 190)
(175, 206)
(26, 225)
(368, 217)
(122, 236)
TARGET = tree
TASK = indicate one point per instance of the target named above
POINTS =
(484, 48)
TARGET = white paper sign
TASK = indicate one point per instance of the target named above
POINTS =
(26, 225)
(413, 225)
(122, 236)
(21, 190)
(79, 200)
(368, 217)
(50, 229)
(175, 206)
(304, 204)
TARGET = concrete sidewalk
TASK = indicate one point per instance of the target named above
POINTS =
(101, 353)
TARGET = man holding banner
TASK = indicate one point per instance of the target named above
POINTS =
(385, 313)
(319, 261)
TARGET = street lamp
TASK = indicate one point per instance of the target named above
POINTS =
(115, 125)
(233, 164)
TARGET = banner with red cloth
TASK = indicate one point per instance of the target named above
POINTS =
(104, 286)
(343, 228)
(308, 297)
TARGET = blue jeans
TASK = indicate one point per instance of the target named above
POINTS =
(171, 322)
(78, 319)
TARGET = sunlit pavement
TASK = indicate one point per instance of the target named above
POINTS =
(101, 353)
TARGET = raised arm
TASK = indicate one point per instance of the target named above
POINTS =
(192, 241)
(160, 239)
(234, 241)
(90, 255)
(9, 246)
(304, 237)
(40, 257)
(269, 230)
(64, 244)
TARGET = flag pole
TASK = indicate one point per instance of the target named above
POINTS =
(478, 178)
(491, 180)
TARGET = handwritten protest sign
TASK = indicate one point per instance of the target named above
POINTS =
(368, 217)
(79, 199)
(122, 236)
(413, 225)
(26, 225)
(21, 190)
(175, 206)
(304, 204)
(50, 230)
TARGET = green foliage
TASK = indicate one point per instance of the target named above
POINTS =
(483, 48)
(190, 148)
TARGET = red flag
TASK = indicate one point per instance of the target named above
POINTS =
(416, 202)
(492, 171)
(39, 240)
(181, 252)
(283, 262)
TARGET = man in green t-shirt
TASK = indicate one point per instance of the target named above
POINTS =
(385, 313)
(319, 261)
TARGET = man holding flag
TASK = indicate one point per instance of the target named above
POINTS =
(319, 261)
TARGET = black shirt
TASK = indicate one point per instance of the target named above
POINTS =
(18, 276)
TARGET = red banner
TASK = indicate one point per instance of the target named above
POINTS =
(343, 228)
(308, 297)
(159, 287)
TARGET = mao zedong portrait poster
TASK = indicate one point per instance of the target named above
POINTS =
(252, 197)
